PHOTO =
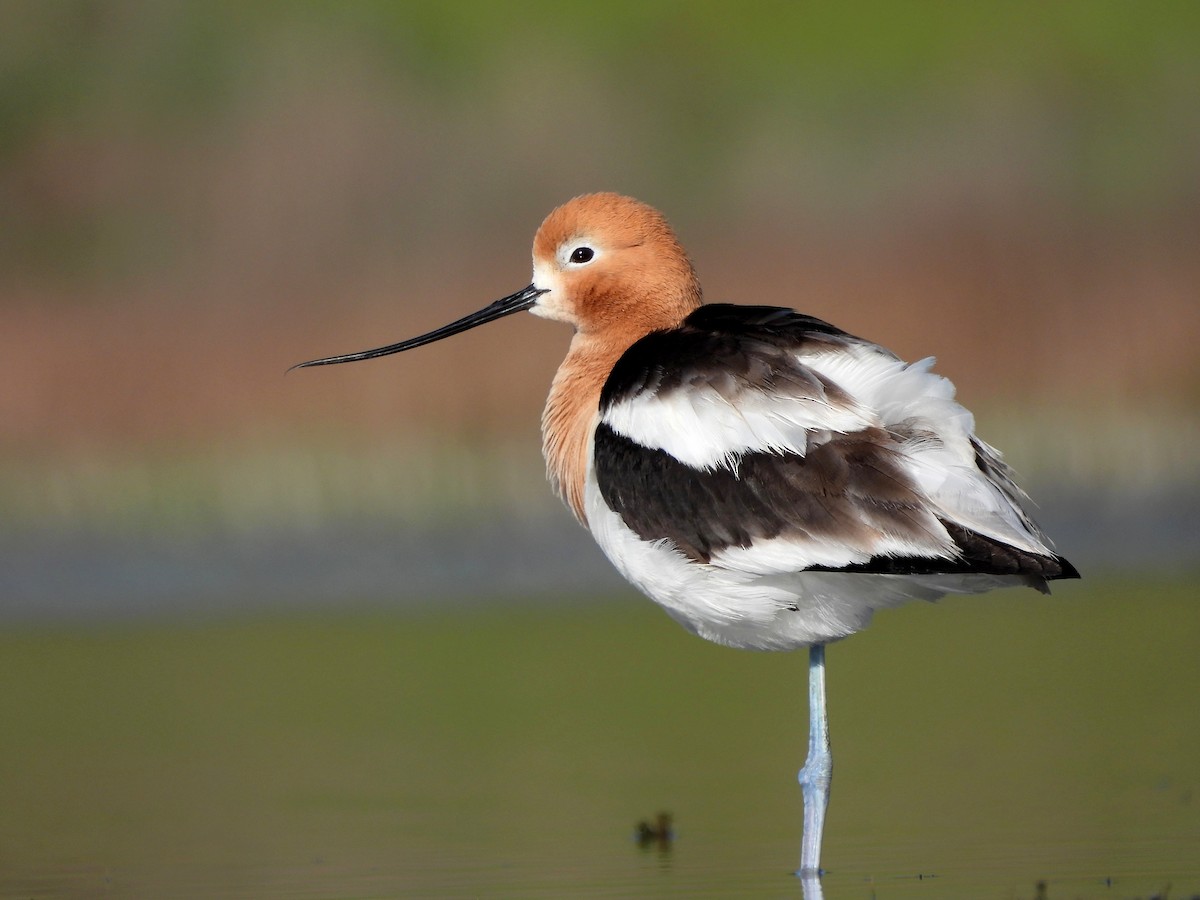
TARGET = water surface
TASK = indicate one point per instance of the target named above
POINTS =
(982, 746)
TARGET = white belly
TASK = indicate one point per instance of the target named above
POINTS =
(756, 611)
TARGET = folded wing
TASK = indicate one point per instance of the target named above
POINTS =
(760, 440)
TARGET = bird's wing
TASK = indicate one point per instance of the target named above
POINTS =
(762, 440)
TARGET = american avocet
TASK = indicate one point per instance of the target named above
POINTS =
(767, 478)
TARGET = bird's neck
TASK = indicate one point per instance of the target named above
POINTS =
(570, 415)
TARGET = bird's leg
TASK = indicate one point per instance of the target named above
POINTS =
(815, 776)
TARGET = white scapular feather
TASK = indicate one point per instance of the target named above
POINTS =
(698, 425)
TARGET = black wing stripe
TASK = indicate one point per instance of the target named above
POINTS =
(981, 555)
(848, 490)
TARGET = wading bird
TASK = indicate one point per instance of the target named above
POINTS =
(767, 478)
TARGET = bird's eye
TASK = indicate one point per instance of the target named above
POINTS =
(582, 254)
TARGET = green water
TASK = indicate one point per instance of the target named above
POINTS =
(981, 745)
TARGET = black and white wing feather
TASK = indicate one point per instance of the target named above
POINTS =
(763, 441)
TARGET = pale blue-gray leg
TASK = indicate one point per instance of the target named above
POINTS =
(814, 777)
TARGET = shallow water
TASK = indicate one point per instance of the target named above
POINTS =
(982, 746)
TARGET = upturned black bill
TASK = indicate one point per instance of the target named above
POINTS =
(521, 300)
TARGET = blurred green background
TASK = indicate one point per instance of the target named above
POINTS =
(194, 196)
(197, 195)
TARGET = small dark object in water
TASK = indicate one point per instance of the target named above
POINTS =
(657, 833)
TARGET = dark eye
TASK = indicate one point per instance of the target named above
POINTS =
(582, 254)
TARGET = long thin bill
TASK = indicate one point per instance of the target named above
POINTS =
(521, 300)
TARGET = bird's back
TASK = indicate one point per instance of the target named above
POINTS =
(772, 480)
